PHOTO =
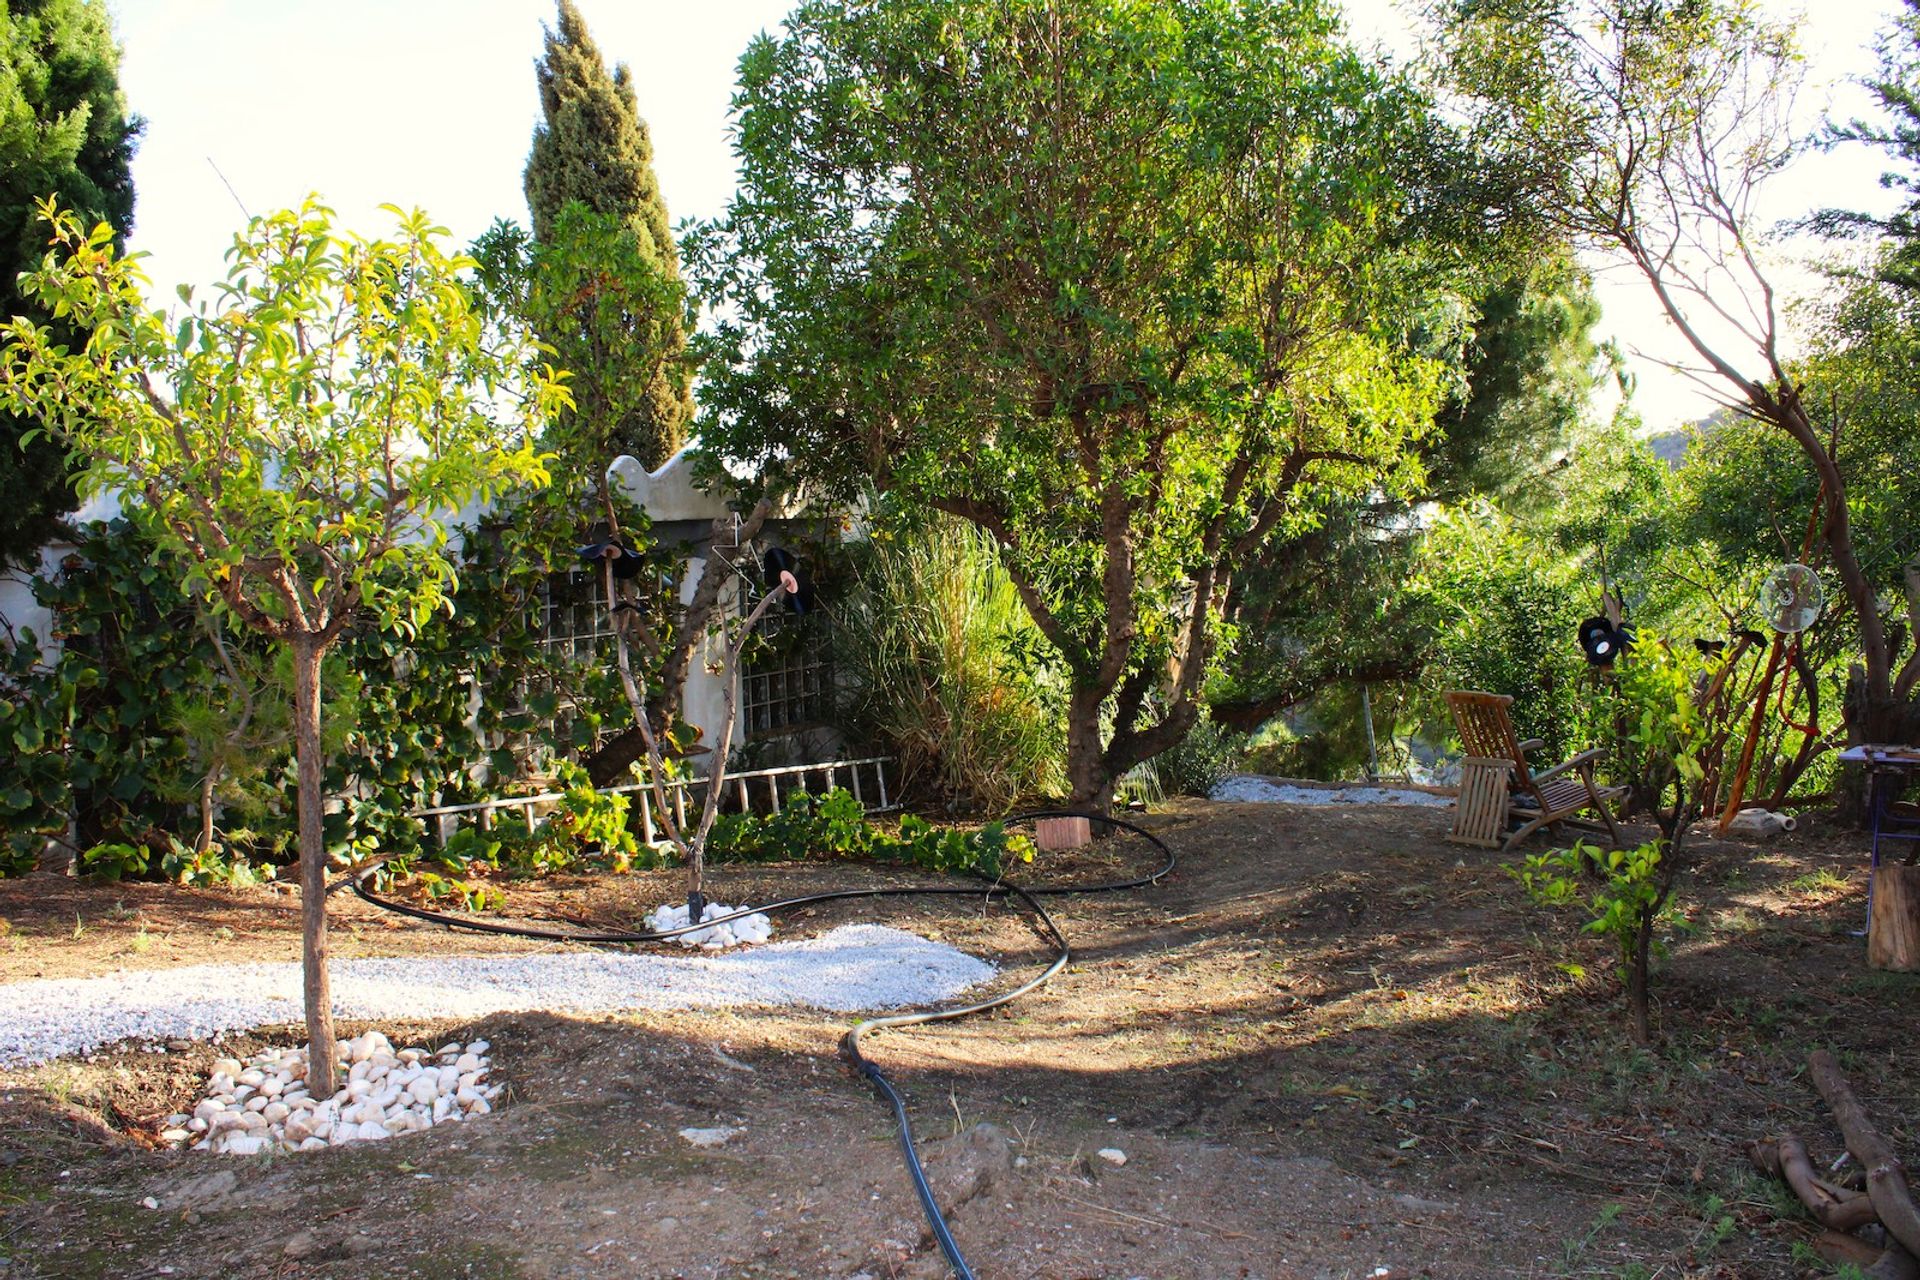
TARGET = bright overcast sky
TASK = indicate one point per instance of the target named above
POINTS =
(431, 103)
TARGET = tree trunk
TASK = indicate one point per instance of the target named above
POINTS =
(204, 841)
(612, 762)
(1638, 975)
(1089, 780)
(1870, 720)
(307, 653)
(1893, 929)
(57, 853)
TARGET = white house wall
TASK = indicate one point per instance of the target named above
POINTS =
(670, 495)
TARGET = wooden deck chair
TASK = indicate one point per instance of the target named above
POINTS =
(1537, 800)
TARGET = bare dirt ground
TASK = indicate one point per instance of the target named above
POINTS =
(1331, 1045)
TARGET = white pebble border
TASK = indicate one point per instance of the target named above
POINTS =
(754, 928)
(262, 1104)
(850, 969)
(1250, 788)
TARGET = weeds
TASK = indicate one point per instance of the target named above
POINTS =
(1818, 884)
(1716, 1226)
(1806, 1255)
(1576, 1248)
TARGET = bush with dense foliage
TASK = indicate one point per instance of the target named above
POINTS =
(833, 825)
(470, 706)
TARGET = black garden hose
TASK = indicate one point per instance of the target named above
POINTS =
(850, 1045)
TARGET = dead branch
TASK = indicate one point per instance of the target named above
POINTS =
(1830, 1206)
(1886, 1179)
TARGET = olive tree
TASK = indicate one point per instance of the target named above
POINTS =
(300, 440)
(1128, 287)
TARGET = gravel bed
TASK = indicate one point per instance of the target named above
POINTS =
(1248, 788)
(849, 969)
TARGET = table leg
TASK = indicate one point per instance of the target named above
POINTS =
(1876, 811)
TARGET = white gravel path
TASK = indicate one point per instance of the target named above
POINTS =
(1249, 788)
(852, 968)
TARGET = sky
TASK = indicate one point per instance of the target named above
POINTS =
(253, 104)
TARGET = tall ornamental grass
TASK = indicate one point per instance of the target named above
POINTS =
(940, 664)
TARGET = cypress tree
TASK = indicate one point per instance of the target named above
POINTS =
(64, 132)
(593, 149)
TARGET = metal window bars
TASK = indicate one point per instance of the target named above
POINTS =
(790, 688)
(575, 623)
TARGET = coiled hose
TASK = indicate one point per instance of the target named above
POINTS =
(850, 1044)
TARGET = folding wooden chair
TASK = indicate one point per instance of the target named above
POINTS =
(1536, 800)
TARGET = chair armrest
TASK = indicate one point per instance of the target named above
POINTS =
(1532, 744)
(1583, 761)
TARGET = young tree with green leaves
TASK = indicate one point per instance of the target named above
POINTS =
(299, 440)
(65, 134)
(592, 150)
(1128, 287)
(1667, 736)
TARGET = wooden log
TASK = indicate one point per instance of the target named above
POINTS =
(1886, 1179)
(1830, 1206)
(1837, 1247)
(1893, 929)
(1895, 1264)
(1871, 1261)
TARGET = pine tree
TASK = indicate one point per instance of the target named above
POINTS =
(64, 132)
(593, 149)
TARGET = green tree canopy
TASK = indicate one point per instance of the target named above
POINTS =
(65, 134)
(1896, 88)
(1134, 289)
(1649, 129)
(592, 149)
(1344, 601)
(607, 312)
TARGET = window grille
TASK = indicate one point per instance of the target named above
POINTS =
(575, 624)
(789, 685)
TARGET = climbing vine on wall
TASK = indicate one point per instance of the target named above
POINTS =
(473, 704)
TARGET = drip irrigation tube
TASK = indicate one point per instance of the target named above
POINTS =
(850, 1044)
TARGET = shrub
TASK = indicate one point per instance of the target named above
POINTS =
(1508, 606)
(1199, 761)
(122, 725)
(834, 826)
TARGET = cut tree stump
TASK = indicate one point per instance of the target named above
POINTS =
(1893, 930)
